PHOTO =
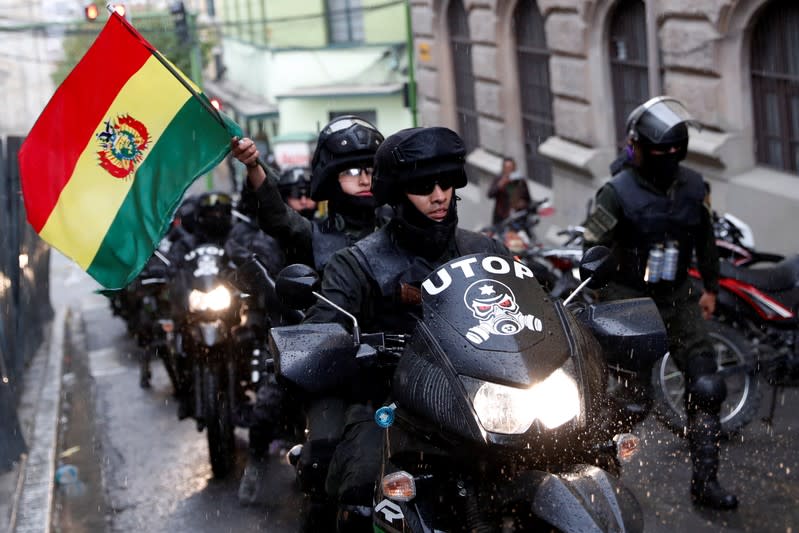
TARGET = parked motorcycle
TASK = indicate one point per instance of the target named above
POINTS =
(517, 231)
(498, 416)
(736, 243)
(756, 333)
(755, 330)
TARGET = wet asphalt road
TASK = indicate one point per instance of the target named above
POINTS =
(152, 472)
(155, 470)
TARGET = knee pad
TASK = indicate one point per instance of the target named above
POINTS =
(706, 393)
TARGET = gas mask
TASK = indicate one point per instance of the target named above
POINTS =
(493, 304)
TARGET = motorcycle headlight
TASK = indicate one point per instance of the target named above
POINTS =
(510, 410)
(216, 300)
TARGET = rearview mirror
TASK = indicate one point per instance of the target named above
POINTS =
(295, 286)
(251, 277)
(598, 264)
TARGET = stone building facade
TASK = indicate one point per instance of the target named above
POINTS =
(704, 53)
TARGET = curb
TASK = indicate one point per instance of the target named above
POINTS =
(31, 510)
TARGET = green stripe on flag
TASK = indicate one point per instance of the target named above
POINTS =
(192, 144)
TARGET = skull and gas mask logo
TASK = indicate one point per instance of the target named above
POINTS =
(493, 304)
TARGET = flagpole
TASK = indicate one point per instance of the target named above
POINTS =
(161, 59)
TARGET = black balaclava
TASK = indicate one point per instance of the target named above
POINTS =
(661, 170)
(419, 233)
(308, 213)
(215, 226)
(357, 211)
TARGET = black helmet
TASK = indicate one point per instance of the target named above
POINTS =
(214, 214)
(186, 213)
(346, 141)
(295, 182)
(417, 154)
(660, 121)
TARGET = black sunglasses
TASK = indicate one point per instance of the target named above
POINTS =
(425, 186)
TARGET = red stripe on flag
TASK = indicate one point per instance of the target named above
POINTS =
(52, 148)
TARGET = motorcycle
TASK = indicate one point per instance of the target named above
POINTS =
(155, 333)
(757, 327)
(212, 369)
(497, 416)
(517, 231)
(754, 331)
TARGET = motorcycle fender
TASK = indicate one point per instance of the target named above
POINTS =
(631, 332)
(210, 333)
(586, 499)
(390, 516)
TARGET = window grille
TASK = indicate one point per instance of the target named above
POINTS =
(775, 85)
(461, 46)
(532, 58)
(628, 61)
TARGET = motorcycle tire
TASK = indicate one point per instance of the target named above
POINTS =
(218, 422)
(743, 394)
(166, 358)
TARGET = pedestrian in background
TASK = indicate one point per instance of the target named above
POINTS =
(509, 189)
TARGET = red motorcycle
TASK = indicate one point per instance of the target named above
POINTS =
(757, 311)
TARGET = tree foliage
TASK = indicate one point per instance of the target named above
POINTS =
(157, 28)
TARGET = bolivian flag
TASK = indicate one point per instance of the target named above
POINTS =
(107, 162)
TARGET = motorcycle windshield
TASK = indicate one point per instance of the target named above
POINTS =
(493, 320)
(203, 266)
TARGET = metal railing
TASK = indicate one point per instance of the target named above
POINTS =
(25, 306)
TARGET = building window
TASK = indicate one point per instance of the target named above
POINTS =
(245, 20)
(369, 115)
(628, 61)
(775, 85)
(532, 58)
(344, 21)
(461, 46)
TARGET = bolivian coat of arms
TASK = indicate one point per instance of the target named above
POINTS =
(123, 143)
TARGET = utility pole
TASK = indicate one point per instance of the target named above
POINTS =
(652, 48)
(411, 73)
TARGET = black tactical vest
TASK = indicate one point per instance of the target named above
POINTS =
(327, 240)
(651, 218)
(388, 266)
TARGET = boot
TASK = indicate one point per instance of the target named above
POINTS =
(704, 434)
(144, 370)
(253, 477)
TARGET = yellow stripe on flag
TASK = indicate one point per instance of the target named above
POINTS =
(91, 199)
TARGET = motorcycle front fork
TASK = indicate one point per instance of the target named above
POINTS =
(229, 367)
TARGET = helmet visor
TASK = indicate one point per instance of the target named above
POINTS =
(659, 116)
(215, 199)
(344, 123)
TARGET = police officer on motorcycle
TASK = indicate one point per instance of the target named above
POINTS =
(416, 171)
(211, 221)
(295, 188)
(341, 173)
(653, 214)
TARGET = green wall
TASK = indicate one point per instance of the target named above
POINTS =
(308, 114)
(302, 23)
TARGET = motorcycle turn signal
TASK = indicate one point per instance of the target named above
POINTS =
(627, 446)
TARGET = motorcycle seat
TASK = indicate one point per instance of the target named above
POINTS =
(782, 276)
